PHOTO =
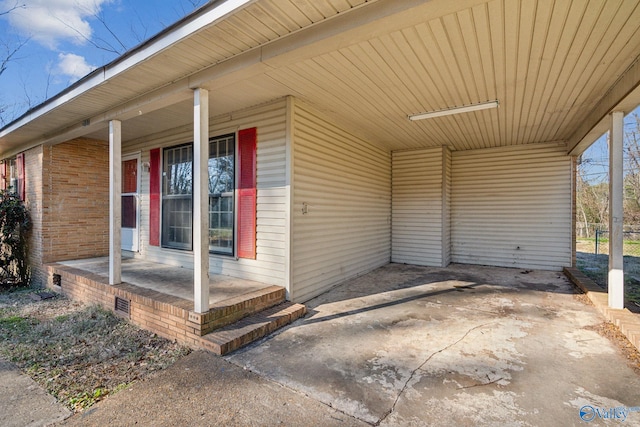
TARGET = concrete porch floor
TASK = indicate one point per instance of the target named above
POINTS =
(463, 345)
(159, 298)
(168, 279)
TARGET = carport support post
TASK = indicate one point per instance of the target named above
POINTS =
(201, 200)
(616, 189)
(115, 201)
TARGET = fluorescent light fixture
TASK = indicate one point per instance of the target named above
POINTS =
(455, 110)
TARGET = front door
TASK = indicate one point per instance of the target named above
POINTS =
(130, 205)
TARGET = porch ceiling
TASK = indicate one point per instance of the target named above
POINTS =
(367, 65)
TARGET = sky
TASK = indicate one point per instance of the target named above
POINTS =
(594, 166)
(63, 40)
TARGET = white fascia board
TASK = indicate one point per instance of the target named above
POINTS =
(623, 95)
(177, 34)
(100, 76)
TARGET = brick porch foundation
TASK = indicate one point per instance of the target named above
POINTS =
(227, 326)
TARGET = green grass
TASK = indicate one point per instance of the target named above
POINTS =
(14, 324)
(596, 267)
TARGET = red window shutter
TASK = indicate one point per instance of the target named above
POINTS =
(21, 175)
(247, 142)
(154, 197)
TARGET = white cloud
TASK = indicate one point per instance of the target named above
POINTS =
(72, 65)
(50, 21)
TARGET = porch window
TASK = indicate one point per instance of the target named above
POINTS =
(177, 191)
(13, 175)
(177, 201)
(129, 192)
(221, 188)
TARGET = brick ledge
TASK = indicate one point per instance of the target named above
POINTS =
(626, 321)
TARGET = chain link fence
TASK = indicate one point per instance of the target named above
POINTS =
(631, 243)
(587, 230)
(594, 239)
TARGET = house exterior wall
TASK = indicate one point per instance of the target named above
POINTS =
(269, 265)
(447, 160)
(512, 207)
(75, 200)
(341, 204)
(34, 198)
(67, 193)
(421, 182)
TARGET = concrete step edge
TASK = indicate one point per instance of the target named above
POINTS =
(229, 311)
(253, 327)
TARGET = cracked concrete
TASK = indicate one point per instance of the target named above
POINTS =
(464, 345)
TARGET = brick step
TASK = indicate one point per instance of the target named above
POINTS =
(231, 310)
(252, 328)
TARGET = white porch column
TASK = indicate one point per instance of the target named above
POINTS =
(201, 200)
(115, 201)
(616, 189)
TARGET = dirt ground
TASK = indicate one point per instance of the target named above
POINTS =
(79, 354)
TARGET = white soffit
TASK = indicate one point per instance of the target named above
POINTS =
(367, 67)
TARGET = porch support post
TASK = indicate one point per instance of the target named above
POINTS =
(115, 201)
(201, 200)
(616, 272)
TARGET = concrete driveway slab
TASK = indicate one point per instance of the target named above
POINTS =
(463, 345)
(202, 389)
(24, 403)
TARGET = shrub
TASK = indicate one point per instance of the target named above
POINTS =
(14, 228)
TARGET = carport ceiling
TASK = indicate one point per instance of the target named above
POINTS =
(548, 62)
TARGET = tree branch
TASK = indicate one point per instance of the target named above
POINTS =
(10, 55)
(108, 47)
(12, 8)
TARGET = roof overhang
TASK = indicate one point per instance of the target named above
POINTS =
(623, 96)
(556, 68)
(203, 17)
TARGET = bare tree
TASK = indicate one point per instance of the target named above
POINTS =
(116, 47)
(9, 49)
(15, 6)
(108, 40)
(632, 169)
(592, 202)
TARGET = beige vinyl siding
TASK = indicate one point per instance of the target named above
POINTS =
(511, 207)
(268, 267)
(420, 207)
(345, 183)
(446, 209)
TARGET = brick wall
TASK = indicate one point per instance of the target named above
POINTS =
(75, 203)
(33, 200)
(149, 309)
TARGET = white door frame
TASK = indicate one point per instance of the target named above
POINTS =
(132, 239)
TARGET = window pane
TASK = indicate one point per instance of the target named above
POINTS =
(177, 197)
(129, 211)
(221, 188)
(130, 176)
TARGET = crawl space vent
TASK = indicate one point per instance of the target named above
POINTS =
(122, 306)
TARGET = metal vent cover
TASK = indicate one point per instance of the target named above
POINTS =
(122, 306)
